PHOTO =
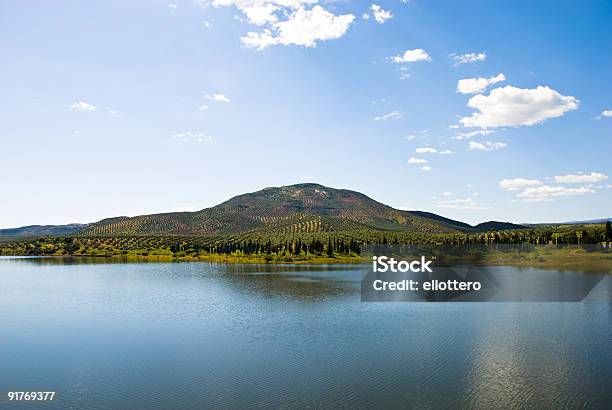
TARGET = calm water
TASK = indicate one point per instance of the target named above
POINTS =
(198, 335)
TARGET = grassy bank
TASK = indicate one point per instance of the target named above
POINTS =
(564, 259)
(548, 257)
(245, 259)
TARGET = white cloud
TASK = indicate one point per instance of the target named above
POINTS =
(305, 27)
(217, 97)
(461, 203)
(470, 134)
(365, 16)
(260, 13)
(518, 183)
(302, 27)
(412, 56)
(393, 115)
(458, 201)
(486, 145)
(379, 14)
(172, 6)
(193, 136)
(546, 192)
(513, 107)
(606, 113)
(447, 193)
(581, 178)
(113, 112)
(477, 85)
(422, 134)
(425, 168)
(203, 107)
(82, 106)
(430, 150)
(259, 40)
(414, 160)
(426, 150)
(468, 58)
(207, 24)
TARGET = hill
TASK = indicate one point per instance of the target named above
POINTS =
(300, 208)
(585, 222)
(590, 221)
(437, 217)
(497, 226)
(41, 230)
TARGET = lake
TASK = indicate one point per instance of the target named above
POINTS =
(195, 335)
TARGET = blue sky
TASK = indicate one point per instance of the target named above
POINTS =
(123, 108)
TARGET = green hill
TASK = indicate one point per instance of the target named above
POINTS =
(301, 208)
(41, 230)
(497, 226)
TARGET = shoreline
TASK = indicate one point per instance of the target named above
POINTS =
(566, 259)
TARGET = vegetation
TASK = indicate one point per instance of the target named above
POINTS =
(36, 231)
(295, 209)
(575, 258)
(289, 247)
(304, 223)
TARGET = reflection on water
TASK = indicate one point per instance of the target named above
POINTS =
(298, 281)
(198, 335)
(301, 281)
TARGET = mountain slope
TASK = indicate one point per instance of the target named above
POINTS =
(41, 230)
(497, 226)
(288, 209)
(437, 217)
(585, 222)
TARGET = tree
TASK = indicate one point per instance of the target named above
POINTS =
(298, 246)
(608, 231)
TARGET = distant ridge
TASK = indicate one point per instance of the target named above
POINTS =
(585, 222)
(42, 230)
(590, 221)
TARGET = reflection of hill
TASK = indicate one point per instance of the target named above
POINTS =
(284, 281)
(304, 282)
